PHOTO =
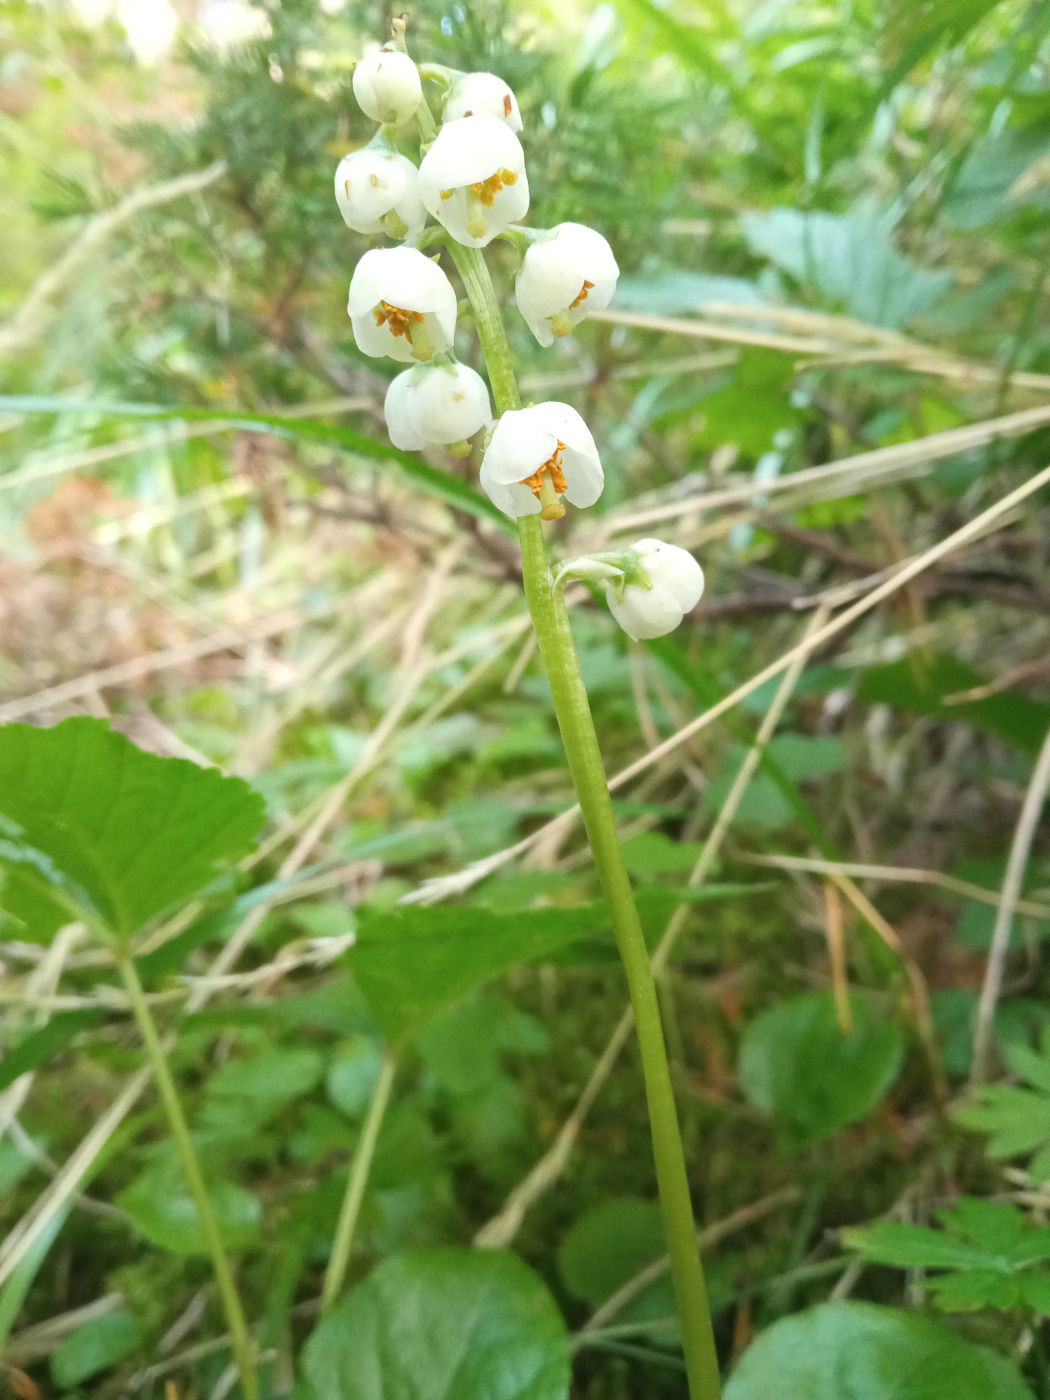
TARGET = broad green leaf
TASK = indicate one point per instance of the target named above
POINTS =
(609, 1244)
(442, 1324)
(859, 1351)
(165, 1213)
(247, 1091)
(411, 962)
(95, 1346)
(127, 833)
(437, 483)
(850, 260)
(351, 1079)
(798, 1067)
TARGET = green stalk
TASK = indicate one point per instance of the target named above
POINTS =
(243, 1350)
(355, 1186)
(550, 619)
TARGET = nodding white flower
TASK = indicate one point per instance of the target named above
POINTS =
(538, 455)
(472, 179)
(483, 94)
(563, 278)
(387, 86)
(436, 404)
(677, 585)
(401, 304)
(377, 192)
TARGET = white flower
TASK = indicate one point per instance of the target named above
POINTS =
(377, 192)
(472, 179)
(563, 278)
(536, 456)
(387, 86)
(401, 304)
(434, 404)
(483, 94)
(677, 585)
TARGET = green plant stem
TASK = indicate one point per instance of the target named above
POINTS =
(243, 1350)
(355, 1186)
(550, 619)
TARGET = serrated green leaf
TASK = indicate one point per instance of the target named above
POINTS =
(95, 1346)
(1029, 1065)
(797, 1065)
(129, 833)
(859, 1351)
(39, 1046)
(442, 1324)
(1016, 1120)
(913, 1247)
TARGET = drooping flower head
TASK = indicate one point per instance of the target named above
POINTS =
(387, 86)
(377, 192)
(401, 304)
(473, 181)
(483, 94)
(563, 278)
(537, 456)
(677, 585)
(436, 404)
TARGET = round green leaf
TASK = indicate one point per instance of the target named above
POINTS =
(166, 1214)
(797, 1065)
(443, 1324)
(859, 1351)
(95, 1346)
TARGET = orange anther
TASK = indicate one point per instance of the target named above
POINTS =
(399, 321)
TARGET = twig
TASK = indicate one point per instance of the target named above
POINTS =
(1020, 847)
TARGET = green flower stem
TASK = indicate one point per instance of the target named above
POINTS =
(550, 619)
(243, 1351)
(355, 1186)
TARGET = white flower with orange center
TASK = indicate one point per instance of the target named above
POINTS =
(563, 278)
(436, 405)
(377, 192)
(675, 586)
(483, 94)
(401, 304)
(388, 87)
(473, 181)
(538, 455)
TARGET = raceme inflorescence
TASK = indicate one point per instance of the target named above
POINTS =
(469, 187)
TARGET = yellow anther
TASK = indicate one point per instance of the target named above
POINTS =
(487, 190)
(548, 483)
(583, 295)
(399, 321)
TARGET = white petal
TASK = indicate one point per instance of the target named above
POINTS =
(387, 86)
(522, 442)
(399, 423)
(449, 403)
(369, 184)
(553, 274)
(644, 613)
(479, 94)
(672, 570)
(584, 478)
(511, 498)
(466, 152)
(404, 278)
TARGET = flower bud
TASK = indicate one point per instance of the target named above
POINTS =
(677, 584)
(436, 404)
(473, 181)
(401, 304)
(563, 278)
(483, 94)
(387, 86)
(377, 192)
(538, 455)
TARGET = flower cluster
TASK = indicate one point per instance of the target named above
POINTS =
(472, 183)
